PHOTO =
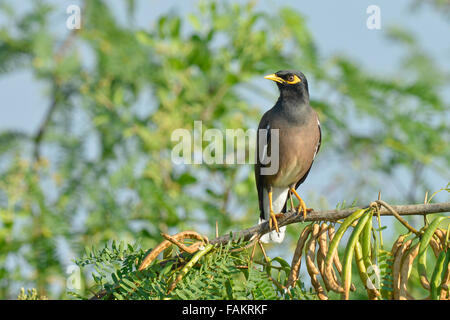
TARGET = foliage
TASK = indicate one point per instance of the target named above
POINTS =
(232, 272)
(221, 274)
(31, 294)
(99, 167)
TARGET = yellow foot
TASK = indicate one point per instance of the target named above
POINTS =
(302, 208)
(273, 221)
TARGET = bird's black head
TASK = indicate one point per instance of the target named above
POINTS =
(291, 84)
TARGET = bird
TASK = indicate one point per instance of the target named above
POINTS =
(296, 125)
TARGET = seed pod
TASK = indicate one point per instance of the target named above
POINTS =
(322, 239)
(348, 255)
(437, 277)
(424, 241)
(297, 259)
(310, 250)
(310, 267)
(336, 260)
(321, 264)
(166, 243)
(365, 242)
(442, 236)
(398, 243)
(337, 264)
(435, 246)
(189, 266)
(154, 253)
(445, 284)
(344, 226)
(328, 275)
(397, 266)
(405, 272)
(371, 292)
(322, 252)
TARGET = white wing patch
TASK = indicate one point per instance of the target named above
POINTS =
(318, 144)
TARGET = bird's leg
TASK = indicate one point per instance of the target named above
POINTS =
(302, 205)
(292, 201)
(273, 218)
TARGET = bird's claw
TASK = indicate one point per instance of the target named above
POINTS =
(302, 208)
(273, 221)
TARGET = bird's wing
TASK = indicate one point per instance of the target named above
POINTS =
(307, 172)
(315, 153)
(264, 124)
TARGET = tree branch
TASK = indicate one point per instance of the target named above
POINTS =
(332, 215)
(56, 87)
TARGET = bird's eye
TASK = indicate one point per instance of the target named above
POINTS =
(290, 78)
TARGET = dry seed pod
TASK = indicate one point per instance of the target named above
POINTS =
(322, 239)
(297, 259)
(166, 243)
(321, 264)
(435, 245)
(328, 274)
(322, 296)
(154, 253)
(316, 284)
(189, 249)
(396, 267)
(398, 243)
(311, 249)
(311, 268)
(322, 252)
(441, 235)
(320, 261)
(445, 285)
(405, 272)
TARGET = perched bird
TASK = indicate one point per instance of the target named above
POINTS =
(299, 138)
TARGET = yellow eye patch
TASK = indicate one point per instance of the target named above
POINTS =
(293, 81)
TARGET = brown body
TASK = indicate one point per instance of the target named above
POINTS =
(297, 144)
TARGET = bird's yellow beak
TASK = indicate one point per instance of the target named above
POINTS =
(275, 78)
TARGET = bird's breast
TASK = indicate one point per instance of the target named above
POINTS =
(297, 147)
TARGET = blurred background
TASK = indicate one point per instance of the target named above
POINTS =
(86, 117)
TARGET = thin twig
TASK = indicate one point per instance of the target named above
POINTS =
(403, 221)
(59, 54)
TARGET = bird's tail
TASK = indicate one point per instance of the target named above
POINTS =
(273, 236)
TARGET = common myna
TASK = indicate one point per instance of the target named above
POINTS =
(299, 138)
